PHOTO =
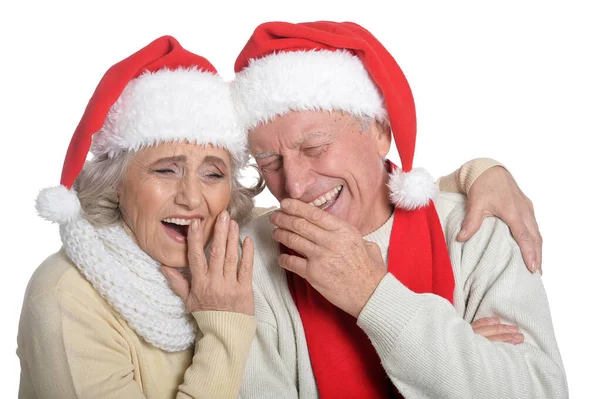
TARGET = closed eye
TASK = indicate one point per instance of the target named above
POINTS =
(272, 166)
(164, 171)
(315, 151)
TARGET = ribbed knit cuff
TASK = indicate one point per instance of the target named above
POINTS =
(461, 180)
(230, 326)
(387, 312)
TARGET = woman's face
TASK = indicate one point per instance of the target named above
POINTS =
(167, 186)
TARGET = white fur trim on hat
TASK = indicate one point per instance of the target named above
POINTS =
(305, 81)
(172, 105)
(411, 190)
(58, 204)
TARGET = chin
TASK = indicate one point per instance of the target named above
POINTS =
(173, 260)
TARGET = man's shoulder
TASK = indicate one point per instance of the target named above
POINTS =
(445, 203)
(266, 249)
(452, 210)
(259, 228)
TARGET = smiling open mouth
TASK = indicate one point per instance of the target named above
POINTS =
(327, 199)
(177, 229)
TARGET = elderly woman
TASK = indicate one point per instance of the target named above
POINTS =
(99, 318)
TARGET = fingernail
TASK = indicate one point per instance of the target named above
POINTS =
(195, 225)
(224, 216)
(284, 203)
(462, 234)
(519, 337)
(512, 328)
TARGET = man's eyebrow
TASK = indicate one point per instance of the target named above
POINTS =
(264, 155)
(308, 137)
(298, 143)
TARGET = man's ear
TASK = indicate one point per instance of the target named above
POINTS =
(384, 138)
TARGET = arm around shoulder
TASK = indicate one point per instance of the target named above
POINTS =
(461, 180)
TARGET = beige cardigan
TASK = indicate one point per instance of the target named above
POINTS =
(72, 344)
(426, 345)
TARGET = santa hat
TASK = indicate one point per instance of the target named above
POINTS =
(162, 93)
(332, 66)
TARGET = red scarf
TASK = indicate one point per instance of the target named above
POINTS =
(344, 362)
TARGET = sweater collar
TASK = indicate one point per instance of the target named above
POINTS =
(381, 237)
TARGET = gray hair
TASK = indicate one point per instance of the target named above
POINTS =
(363, 123)
(97, 185)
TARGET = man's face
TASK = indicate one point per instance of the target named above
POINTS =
(328, 159)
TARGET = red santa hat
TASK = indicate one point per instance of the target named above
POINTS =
(332, 66)
(162, 93)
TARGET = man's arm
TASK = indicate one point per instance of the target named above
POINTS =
(429, 349)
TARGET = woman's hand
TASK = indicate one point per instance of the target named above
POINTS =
(493, 330)
(217, 284)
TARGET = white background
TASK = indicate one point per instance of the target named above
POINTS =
(514, 80)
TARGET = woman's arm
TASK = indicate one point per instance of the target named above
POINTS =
(70, 348)
(220, 355)
(219, 295)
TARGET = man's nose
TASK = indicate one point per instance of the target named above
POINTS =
(189, 193)
(298, 177)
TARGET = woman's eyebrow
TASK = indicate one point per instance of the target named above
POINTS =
(214, 159)
(177, 158)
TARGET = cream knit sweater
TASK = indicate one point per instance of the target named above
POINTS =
(72, 344)
(426, 345)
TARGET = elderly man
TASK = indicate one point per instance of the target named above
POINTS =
(362, 289)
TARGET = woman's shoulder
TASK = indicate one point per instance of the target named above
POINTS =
(58, 276)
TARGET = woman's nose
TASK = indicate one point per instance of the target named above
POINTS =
(189, 194)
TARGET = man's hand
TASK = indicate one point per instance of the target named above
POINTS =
(493, 330)
(496, 193)
(337, 262)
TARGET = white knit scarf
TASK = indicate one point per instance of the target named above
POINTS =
(132, 283)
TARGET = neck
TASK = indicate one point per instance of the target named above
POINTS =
(381, 210)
